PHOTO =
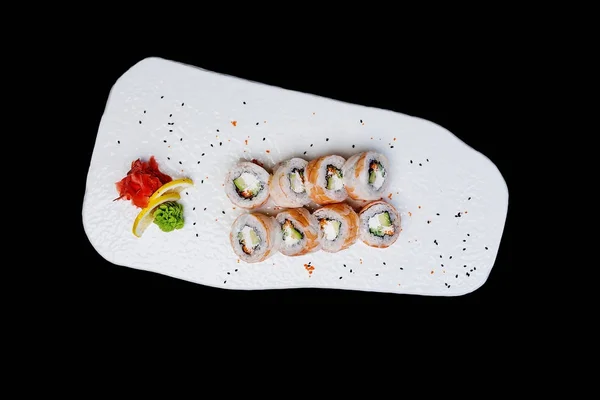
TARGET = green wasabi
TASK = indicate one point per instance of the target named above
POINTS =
(169, 216)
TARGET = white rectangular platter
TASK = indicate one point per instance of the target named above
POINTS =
(197, 123)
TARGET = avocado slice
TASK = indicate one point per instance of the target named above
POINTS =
(384, 219)
(336, 227)
(372, 177)
(377, 232)
(330, 183)
(240, 184)
(254, 238)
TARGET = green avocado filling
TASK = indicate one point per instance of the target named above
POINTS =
(248, 238)
(376, 174)
(247, 185)
(297, 180)
(334, 178)
(381, 225)
(291, 235)
(169, 216)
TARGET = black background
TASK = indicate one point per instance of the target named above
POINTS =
(461, 91)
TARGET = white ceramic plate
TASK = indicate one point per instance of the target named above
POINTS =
(452, 200)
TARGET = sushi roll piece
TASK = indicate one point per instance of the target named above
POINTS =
(287, 187)
(300, 232)
(255, 237)
(325, 180)
(366, 176)
(379, 224)
(339, 223)
(247, 185)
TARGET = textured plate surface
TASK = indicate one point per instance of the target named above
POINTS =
(197, 123)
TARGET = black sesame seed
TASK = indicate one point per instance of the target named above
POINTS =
(391, 147)
(427, 159)
(401, 269)
(162, 97)
(181, 139)
(448, 286)
(465, 266)
(420, 165)
(182, 104)
(304, 152)
(179, 162)
(411, 161)
(235, 270)
(165, 140)
(202, 181)
(140, 122)
(194, 223)
(257, 123)
(376, 274)
(204, 208)
(170, 115)
(229, 273)
(196, 235)
(451, 257)
(327, 139)
(440, 256)
(464, 248)
(193, 209)
(211, 145)
(468, 234)
(352, 146)
(350, 271)
(344, 265)
(437, 213)
(220, 143)
(168, 158)
(471, 270)
(170, 130)
(384, 263)
(217, 130)
(187, 194)
(202, 154)
(311, 145)
(264, 139)
(469, 198)
(456, 276)
(474, 268)
(340, 277)
(244, 102)
(486, 248)
(361, 121)
(464, 240)
(224, 281)
(118, 142)
(436, 243)
(442, 265)
(198, 162)
(144, 111)
(223, 212)
(468, 274)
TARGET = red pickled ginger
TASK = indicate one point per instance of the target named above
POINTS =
(142, 180)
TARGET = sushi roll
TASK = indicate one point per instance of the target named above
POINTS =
(366, 176)
(339, 224)
(325, 180)
(255, 237)
(287, 187)
(300, 232)
(247, 185)
(379, 224)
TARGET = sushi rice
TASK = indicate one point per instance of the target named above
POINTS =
(366, 176)
(300, 232)
(287, 188)
(325, 180)
(379, 224)
(255, 237)
(339, 224)
(247, 185)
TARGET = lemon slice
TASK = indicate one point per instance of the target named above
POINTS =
(175, 186)
(146, 216)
